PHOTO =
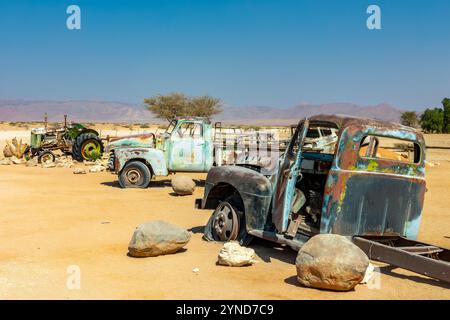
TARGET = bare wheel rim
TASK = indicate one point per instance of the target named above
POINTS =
(226, 222)
(134, 176)
(46, 157)
(90, 149)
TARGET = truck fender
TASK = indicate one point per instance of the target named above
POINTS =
(89, 131)
(154, 158)
(254, 189)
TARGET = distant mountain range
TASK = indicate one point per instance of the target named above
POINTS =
(103, 111)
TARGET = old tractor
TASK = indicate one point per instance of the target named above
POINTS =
(74, 138)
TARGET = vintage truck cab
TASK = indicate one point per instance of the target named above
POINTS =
(371, 182)
(186, 145)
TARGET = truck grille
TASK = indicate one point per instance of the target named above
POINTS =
(111, 160)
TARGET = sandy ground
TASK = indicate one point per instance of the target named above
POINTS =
(52, 220)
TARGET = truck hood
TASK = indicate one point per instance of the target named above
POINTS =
(133, 141)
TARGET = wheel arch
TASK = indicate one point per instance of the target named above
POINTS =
(253, 188)
(220, 192)
(144, 161)
(153, 158)
(89, 131)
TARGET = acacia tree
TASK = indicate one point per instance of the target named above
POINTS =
(179, 105)
(168, 106)
(409, 118)
(205, 106)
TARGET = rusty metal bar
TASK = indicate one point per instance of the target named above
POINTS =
(436, 265)
(422, 249)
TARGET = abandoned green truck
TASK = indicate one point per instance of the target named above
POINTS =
(189, 144)
(369, 187)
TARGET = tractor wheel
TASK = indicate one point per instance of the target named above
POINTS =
(46, 157)
(135, 175)
(227, 222)
(87, 146)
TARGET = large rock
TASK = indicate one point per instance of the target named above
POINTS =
(183, 185)
(329, 261)
(7, 152)
(155, 238)
(233, 255)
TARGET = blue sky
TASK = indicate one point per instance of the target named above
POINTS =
(259, 52)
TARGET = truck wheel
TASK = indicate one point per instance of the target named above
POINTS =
(46, 157)
(135, 175)
(87, 146)
(227, 223)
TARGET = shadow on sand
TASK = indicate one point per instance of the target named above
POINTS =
(155, 184)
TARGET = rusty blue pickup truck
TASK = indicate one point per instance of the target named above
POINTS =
(189, 144)
(369, 186)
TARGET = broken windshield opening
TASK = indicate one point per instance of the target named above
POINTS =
(171, 126)
(320, 139)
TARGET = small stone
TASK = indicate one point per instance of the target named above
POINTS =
(61, 160)
(68, 164)
(15, 160)
(79, 171)
(48, 165)
(234, 255)
(369, 274)
(31, 163)
(6, 162)
(196, 270)
(97, 168)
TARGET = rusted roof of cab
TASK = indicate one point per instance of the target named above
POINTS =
(342, 121)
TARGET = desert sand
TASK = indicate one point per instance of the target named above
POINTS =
(51, 219)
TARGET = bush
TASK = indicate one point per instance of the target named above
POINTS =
(432, 120)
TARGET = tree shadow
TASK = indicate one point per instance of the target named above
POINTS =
(388, 270)
(268, 250)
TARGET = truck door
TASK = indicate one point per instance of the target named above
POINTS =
(374, 187)
(187, 147)
(287, 178)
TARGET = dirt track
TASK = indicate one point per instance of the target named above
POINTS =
(51, 219)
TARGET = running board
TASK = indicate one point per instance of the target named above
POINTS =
(294, 243)
(422, 258)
